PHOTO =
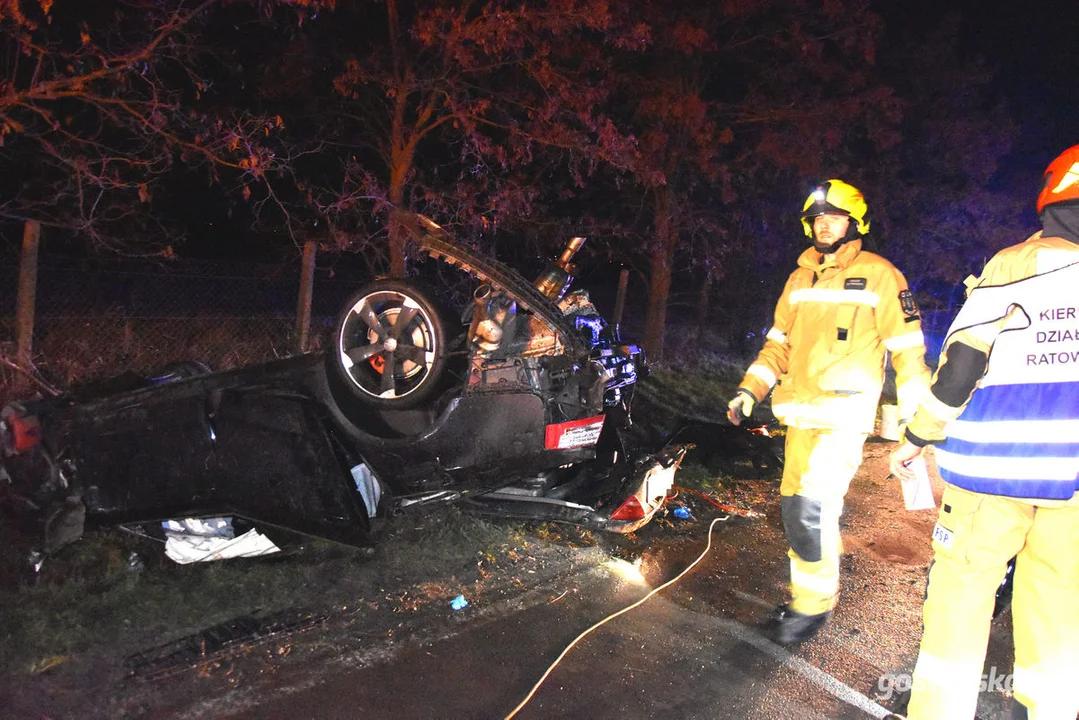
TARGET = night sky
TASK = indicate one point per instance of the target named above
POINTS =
(1034, 48)
(1034, 45)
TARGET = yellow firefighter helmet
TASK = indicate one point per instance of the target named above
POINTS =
(838, 198)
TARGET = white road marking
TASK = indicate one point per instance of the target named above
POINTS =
(820, 678)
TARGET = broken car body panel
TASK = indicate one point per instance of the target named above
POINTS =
(520, 412)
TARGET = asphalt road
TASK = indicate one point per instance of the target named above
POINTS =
(694, 650)
(661, 660)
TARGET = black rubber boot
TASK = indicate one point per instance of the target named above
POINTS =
(790, 627)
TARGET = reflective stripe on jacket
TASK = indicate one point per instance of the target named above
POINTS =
(825, 352)
(1017, 434)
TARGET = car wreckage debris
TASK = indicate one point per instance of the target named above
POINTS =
(521, 409)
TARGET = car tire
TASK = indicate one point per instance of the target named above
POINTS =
(389, 345)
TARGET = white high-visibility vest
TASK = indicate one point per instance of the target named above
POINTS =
(1019, 435)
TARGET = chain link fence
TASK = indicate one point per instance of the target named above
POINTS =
(96, 319)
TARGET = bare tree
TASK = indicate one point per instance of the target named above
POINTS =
(100, 101)
(486, 86)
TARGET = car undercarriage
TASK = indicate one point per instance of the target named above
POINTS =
(517, 405)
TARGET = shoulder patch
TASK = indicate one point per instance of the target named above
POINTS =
(854, 284)
(906, 301)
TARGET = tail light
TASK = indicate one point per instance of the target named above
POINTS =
(629, 510)
(18, 433)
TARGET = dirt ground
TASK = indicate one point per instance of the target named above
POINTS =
(131, 642)
(874, 634)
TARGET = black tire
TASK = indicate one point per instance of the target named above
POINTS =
(389, 345)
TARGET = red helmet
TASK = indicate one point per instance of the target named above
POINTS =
(1061, 180)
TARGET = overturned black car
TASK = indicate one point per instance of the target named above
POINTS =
(517, 405)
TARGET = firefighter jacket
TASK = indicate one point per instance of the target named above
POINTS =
(1006, 395)
(825, 351)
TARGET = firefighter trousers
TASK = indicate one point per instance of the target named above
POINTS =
(817, 471)
(975, 537)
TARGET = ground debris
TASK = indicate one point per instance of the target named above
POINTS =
(209, 647)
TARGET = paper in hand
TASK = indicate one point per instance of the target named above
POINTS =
(918, 493)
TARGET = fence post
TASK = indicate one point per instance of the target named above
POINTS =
(303, 307)
(24, 305)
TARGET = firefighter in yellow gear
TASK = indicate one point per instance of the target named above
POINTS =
(841, 311)
(1003, 411)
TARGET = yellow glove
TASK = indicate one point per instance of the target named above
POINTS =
(741, 406)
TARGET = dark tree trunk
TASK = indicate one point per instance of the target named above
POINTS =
(659, 281)
(702, 308)
(398, 233)
(24, 304)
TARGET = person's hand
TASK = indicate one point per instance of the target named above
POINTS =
(741, 406)
(901, 458)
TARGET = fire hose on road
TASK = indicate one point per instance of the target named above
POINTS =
(830, 684)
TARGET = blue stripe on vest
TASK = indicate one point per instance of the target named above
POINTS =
(1035, 401)
(1044, 489)
(1030, 402)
